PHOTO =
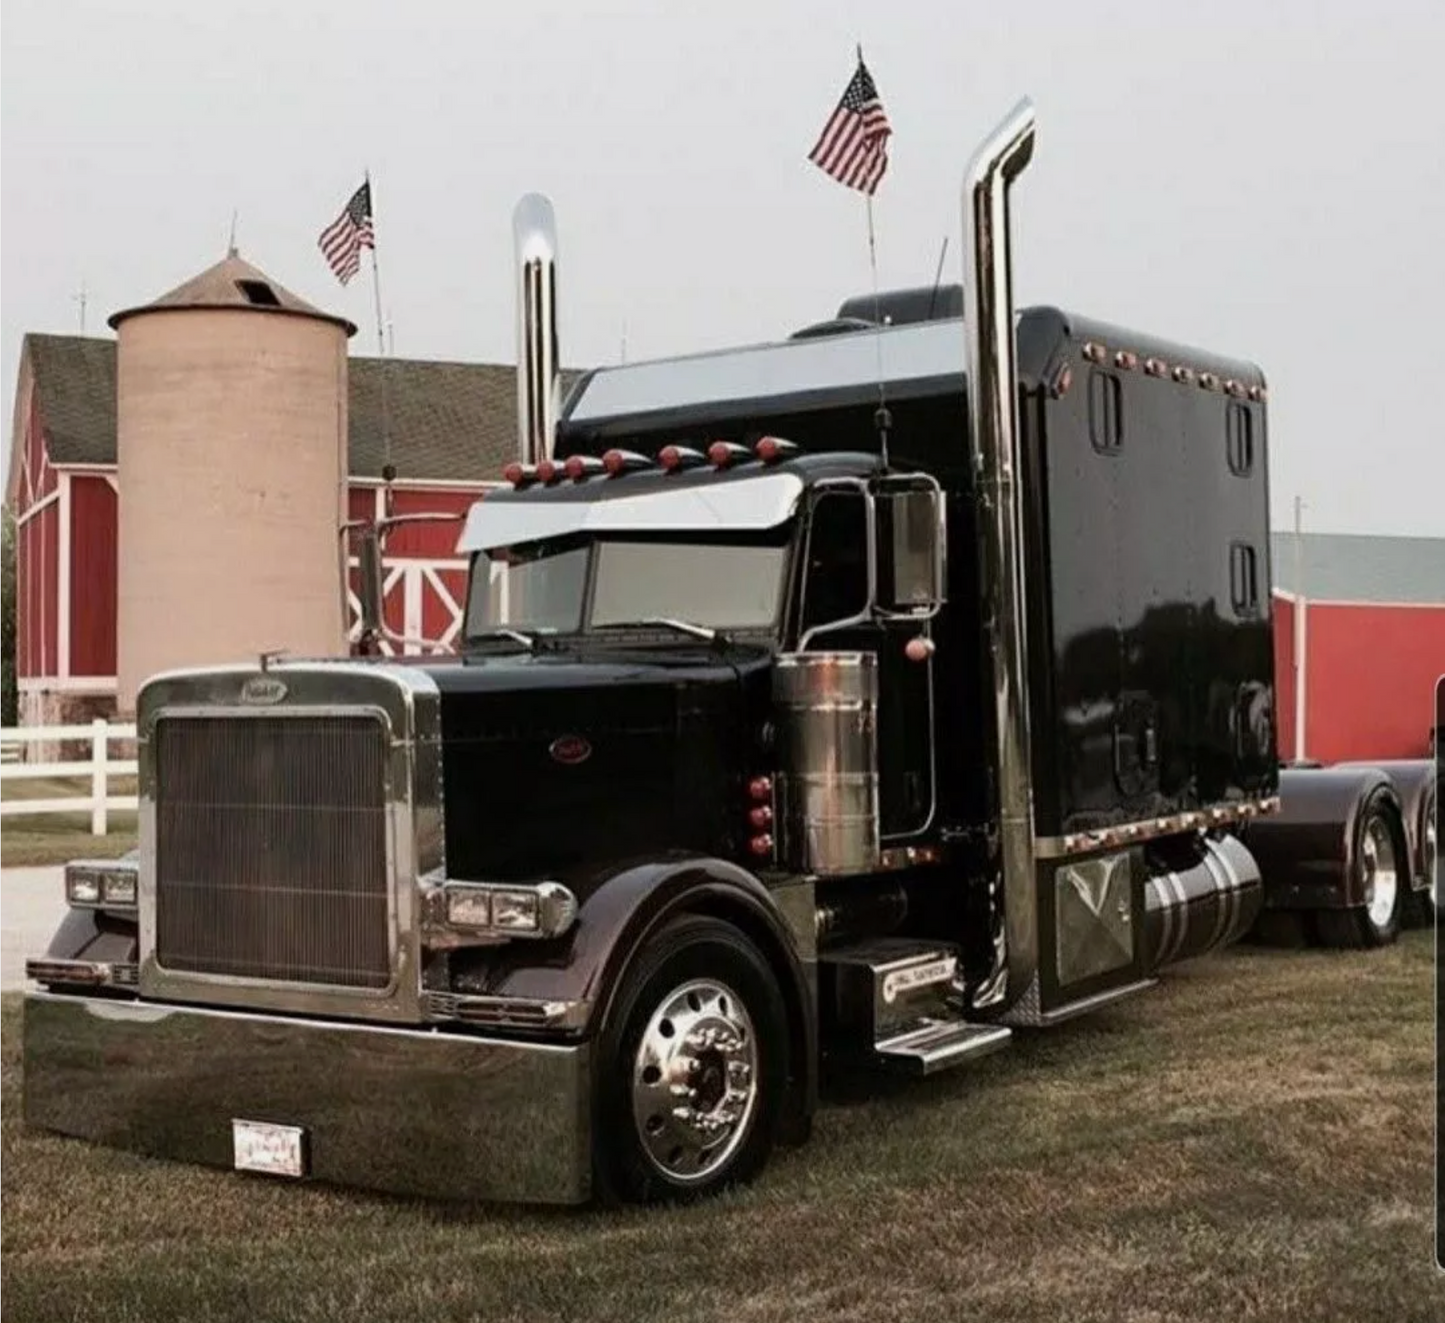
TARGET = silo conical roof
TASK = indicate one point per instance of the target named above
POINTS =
(234, 283)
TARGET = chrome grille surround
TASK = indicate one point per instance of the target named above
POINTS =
(405, 703)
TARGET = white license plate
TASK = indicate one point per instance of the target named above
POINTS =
(276, 1150)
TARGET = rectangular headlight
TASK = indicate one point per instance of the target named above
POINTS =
(547, 909)
(515, 911)
(82, 886)
(118, 888)
(469, 907)
(101, 882)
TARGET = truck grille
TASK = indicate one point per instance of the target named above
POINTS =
(271, 858)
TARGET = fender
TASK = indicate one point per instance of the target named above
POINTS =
(630, 902)
(1306, 851)
(87, 934)
(1415, 783)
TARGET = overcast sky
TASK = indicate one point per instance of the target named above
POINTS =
(1265, 180)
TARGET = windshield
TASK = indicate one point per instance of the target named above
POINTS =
(543, 587)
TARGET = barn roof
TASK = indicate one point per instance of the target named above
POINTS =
(448, 422)
(1360, 567)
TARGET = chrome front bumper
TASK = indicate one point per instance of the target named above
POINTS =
(415, 1112)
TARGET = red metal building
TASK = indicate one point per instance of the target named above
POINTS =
(1359, 641)
(447, 428)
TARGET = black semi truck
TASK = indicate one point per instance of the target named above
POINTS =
(863, 699)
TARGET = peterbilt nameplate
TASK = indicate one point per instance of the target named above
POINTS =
(263, 689)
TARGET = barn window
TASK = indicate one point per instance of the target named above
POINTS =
(1239, 439)
(259, 293)
(1106, 412)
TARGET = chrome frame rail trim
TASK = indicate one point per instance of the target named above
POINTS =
(422, 1112)
(1150, 829)
(988, 327)
(1099, 999)
(409, 701)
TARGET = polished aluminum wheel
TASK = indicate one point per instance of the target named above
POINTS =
(695, 1080)
(1381, 875)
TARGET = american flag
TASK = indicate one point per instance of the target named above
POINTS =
(853, 146)
(341, 242)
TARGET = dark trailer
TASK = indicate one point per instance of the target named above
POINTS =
(804, 711)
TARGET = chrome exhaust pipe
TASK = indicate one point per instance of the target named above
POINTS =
(539, 377)
(988, 328)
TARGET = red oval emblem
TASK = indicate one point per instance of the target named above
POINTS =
(570, 750)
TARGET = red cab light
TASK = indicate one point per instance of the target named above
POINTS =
(619, 461)
(773, 448)
(762, 846)
(517, 473)
(760, 818)
(548, 470)
(578, 466)
(673, 458)
(722, 453)
(760, 788)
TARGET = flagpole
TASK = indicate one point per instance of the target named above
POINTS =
(375, 270)
(386, 472)
(881, 418)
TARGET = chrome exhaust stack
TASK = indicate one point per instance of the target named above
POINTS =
(988, 328)
(539, 375)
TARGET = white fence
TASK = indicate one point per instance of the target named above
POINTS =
(99, 768)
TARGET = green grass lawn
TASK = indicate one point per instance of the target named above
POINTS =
(1251, 1140)
(52, 838)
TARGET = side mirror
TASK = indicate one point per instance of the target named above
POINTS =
(910, 532)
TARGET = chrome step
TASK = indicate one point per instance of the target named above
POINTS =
(940, 1044)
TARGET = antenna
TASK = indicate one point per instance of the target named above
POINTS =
(231, 250)
(81, 299)
(937, 276)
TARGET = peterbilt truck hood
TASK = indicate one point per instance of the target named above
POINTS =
(556, 765)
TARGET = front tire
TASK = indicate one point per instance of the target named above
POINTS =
(692, 1066)
(1382, 860)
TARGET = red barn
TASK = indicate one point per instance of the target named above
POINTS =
(1369, 640)
(448, 428)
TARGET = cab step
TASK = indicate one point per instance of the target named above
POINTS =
(896, 1003)
(943, 1043)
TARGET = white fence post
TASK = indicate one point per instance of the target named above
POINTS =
(94, 771)
(99, 780)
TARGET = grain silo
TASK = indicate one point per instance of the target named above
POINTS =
(231, 435)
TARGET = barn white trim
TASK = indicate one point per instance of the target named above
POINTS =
(62, 586)
(31, 511)
(415, 577)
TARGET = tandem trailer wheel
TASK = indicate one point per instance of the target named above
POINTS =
(692, 1067)
(1381, 860)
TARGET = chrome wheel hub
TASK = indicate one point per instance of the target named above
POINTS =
(1381, 876)
(694, 1080)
